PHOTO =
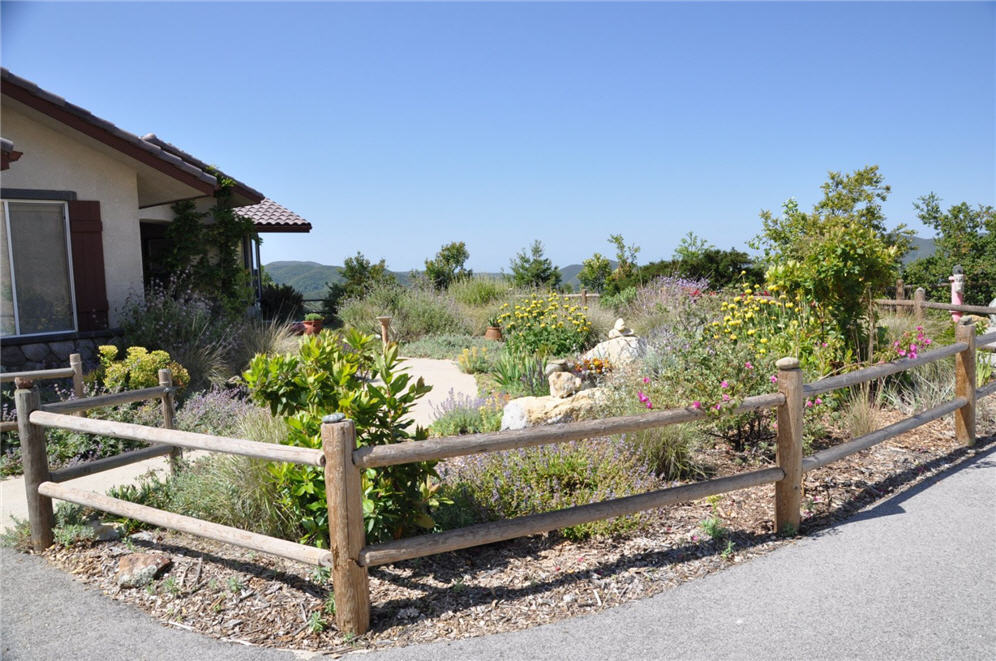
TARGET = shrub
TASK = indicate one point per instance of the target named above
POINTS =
(479, 290)
(461, 414)
(328, 374)
(668, 301)
(521, 375)
(281, 302)
(546, 326)
(138, 369)
(474, 360)
(186, 325)
(447, 347)
(414, 313)
(522, 482)
(219, 411)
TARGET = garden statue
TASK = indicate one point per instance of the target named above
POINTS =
(957, 290)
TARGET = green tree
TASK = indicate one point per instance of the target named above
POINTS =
(965, 236)
(625, 274)
(448, 266)
(533, 269)
(691, 247)
(594, 273)
(360, 276)
(839, 254)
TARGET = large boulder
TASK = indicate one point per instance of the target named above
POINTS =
(619, 351)
(564, 384)
(531, 411)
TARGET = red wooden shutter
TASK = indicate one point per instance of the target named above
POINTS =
(88, 265)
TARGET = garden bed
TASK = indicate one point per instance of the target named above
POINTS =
(251, 598)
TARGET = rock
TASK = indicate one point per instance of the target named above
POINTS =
(12, 358)
(564, 384)
(35, 352)
(138, 569)
(559, 365)
(620, 330)
(530, 411)
(618, 351)
(62, 350)
(103, 532)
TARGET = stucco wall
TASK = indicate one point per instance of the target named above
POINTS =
(55, 161)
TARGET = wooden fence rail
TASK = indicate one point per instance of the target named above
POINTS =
(75, 371)
(350, 556)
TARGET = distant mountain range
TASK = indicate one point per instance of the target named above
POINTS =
(312, 278)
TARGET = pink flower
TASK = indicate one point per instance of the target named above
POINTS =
(774, 379)
(649, 405)
(696, 405)
(818, 401)
(718, 407)
(724, 384)
(646, 379)
(748, 365)
(726, 397)
(643, 398)
(809, 403)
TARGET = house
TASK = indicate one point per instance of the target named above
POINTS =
(85, 205)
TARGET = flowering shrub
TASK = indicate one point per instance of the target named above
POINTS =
(909, 345)
(522, 482)
(473, 360)
(461, 414)
(138, 369)
(592, 369)
(545, 326)
(219, 411)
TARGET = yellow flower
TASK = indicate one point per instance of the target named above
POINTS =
(764, 340)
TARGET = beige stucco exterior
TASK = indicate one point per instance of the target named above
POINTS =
(56, 158)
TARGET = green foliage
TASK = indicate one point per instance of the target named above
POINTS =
(360, 277)
(840, 254)
(467, 416)
(138, 369)
(594, 273)
(695, 258)
(448, 266)
(521, 374)
(281, 302)
(184, 323)
(545, 326)
(533, 269)
(414, 313)
(965, 236)
(208, 254)
(626, 266)
(713, 524)
(474, 360)
(619, 299)
(479, 290)
(343, 372)
(446, 347)
(523, 482)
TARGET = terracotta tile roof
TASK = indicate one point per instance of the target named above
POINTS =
(247, 191)
(271, 217)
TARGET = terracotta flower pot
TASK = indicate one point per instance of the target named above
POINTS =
(493, 333)
(312, 327)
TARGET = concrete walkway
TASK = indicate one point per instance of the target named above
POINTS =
(911, 578)
(443, 375)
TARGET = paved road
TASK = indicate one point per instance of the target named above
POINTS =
(912, 578)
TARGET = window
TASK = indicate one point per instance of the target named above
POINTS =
(36, 284)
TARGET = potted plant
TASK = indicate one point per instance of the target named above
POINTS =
(494, 328)
(313, 323)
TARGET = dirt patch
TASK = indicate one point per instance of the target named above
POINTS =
(252, 598)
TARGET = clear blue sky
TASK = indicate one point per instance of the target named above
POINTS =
(396, 128)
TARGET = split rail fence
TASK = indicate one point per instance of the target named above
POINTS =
(350, 556)
(74, 371)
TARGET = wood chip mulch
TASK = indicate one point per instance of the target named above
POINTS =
(255, 599)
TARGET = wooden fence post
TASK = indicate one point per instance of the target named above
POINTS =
(919, 298)
(385, 330)
(964, 385)
(76, 362)
(788, 455)
(169, 409)
(344, 497)
(35, 460)
(584, 297)
(900, 290)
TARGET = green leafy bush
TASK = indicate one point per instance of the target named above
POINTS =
(474, 360)
(479, 290)
(343, 372)
(138, 369)
(414, 313)
(545, 326)
(521, 375)
(460, 414)
(521, 482)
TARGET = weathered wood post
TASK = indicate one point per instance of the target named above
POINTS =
(35, 460)
(964, 385)
(385, 330)
(919, 298)
(584, 296)
(344, 497)
(788, 455)
(76, 362)
(169, 409)
(900, 290)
